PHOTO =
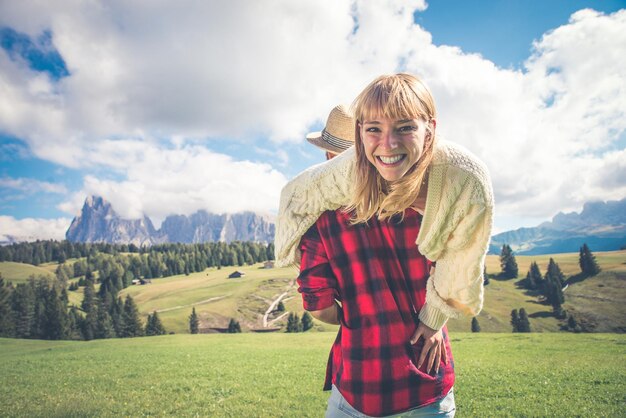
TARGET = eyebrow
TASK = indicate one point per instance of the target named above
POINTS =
(375, 122)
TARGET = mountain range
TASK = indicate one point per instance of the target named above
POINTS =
(601, 225)
(98, 222)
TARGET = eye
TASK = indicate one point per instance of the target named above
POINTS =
(407, 128)
(372, 129)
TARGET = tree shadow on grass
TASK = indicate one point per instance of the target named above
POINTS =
(542, 302)
(577, 278)
(501, 277)
(542, 314)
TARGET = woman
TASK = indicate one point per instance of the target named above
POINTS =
(352, 224)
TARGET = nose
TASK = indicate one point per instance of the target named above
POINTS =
(389, 140)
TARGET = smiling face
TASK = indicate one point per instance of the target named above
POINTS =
(393, 146)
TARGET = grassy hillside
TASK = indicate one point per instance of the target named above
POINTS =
(280, 375)
(597, 301)
(217, 298)
(20, 272)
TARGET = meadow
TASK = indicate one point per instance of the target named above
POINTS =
(598, 301)
(280, 375)
(20, 272)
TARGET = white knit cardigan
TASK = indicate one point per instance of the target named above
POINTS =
(455, 229)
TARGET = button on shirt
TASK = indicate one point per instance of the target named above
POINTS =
(379, 276)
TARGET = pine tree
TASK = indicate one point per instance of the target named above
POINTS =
(536, 280)
(23, 308)
(132, 323)
(89, 325)
(280, 307)
(89, 306)
(554, 271)
(559, 312)
(104, 324)
(115, 312)
(553, 287)
(508, 264)
(485, 276)
(158, 325)
(89, 301)
(533, 277)
(524, 324)
(587, 261)
(61, 274)
(293, 323)
(515, 320)
(148, 330)
(572, 324)
(193, 322)
(307, 321)
(154, 326)
(75, 324)
(41, 290)
(6, 314)
(475, 325)
(56, 319)
(234, 327)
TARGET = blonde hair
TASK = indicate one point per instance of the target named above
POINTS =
(398, 96)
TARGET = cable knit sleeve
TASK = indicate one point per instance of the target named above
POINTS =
(325, 186)
(457, 238)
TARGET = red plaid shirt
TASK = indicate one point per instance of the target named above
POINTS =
(378, 274)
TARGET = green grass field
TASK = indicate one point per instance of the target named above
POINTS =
(20, 272)
(280, 375)
(217, 299)
(599, 300)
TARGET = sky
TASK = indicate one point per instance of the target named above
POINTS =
(171, 107)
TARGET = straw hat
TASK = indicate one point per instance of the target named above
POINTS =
(338, 134)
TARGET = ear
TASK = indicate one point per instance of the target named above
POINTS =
(434, 122)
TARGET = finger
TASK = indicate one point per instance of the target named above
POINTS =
(416, 336)
(425, 350)
(438, 358)
(432, 357)
(444, 353)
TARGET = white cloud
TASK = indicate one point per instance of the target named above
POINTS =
(241, 70)
(31, 186)
(546, 133)
(30, 229)
(181, 180)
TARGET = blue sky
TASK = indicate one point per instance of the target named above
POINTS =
(173, 108)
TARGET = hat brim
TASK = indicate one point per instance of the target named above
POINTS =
(317, 139)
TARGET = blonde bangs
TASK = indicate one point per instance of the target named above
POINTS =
(390, 97)
(399, 96)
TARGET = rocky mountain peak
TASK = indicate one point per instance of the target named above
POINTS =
(98, 222)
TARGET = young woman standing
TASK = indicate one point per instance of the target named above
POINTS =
(390, 237)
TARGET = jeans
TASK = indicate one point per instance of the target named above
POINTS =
(338, 407)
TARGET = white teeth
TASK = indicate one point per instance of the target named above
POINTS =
(390, 160)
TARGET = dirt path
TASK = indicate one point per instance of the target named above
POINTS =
(276, 319)
(274, 304)
(193, 304)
